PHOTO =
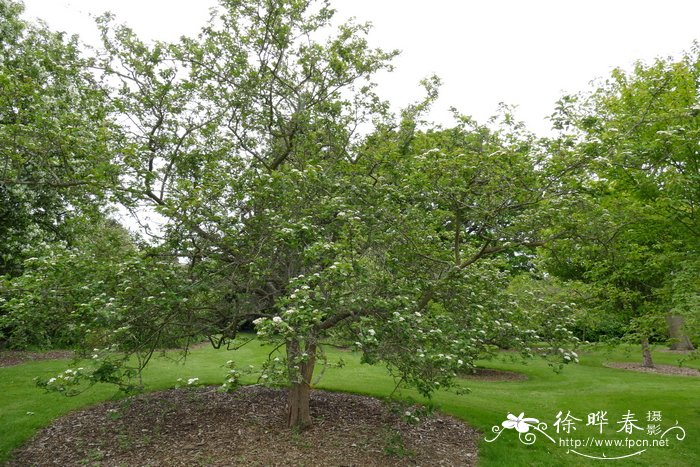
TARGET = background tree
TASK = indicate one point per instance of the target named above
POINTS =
(112, 300)
(51, 305)
(54, 160)
(639, 231)
(53, 135)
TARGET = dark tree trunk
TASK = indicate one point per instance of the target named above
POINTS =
(646, 353)
(298, 412)
(679, 340)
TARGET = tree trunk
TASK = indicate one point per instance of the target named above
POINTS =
(646, 352)
(298, 396)
(679, 340)
(298, 414)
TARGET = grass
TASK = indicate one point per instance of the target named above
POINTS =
(580, 389)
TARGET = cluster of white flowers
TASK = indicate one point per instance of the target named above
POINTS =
(398, 317)
(190, 381)
(69, 376)
(233, 375)
(232, 379)
(568, 355)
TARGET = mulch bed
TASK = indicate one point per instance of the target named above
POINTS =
(15, 357)
(184, 427)
(488, 374)
(658, 369)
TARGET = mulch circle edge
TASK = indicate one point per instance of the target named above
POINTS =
(493, 375)
(9, 358)
(659, 369)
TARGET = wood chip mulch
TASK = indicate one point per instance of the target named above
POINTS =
(15, 357)
(489, 374)
(185, 427)
(658, 369)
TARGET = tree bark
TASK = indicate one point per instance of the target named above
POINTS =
(298, 395)
(646, 353)
(679, 340)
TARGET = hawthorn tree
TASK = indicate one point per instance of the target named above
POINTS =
(295, 201)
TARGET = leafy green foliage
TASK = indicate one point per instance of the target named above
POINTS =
(246, 140)
(637, 231)
(54, 135)
(279, 212)
(70, 295)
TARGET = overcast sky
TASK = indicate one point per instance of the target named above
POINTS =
(521, 52)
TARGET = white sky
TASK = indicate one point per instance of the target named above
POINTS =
(522, 52)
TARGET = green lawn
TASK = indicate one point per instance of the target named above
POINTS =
(580, 389)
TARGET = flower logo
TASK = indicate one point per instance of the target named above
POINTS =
(521, 424)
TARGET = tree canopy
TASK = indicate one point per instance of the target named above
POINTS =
(637, 240)
(54, 136)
